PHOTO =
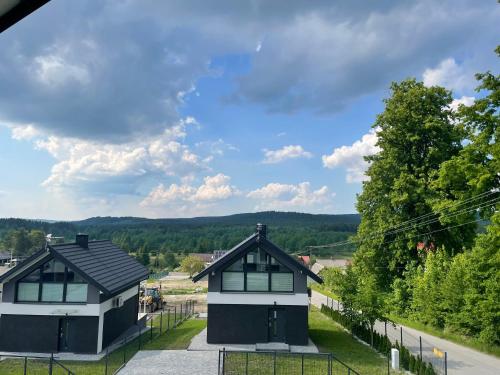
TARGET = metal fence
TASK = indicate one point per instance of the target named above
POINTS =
(152, 326)
(280, 363)
(36, 364)
(416, 345)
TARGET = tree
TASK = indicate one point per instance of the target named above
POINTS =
(37, 240)
(192, 264)
(369, 301)
(170, 260)
(145, 259)
(415, 135)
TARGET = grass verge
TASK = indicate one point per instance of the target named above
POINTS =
(321, 289)
(453, 337)
(331, 337)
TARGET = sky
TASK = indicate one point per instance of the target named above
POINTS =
(187, 108)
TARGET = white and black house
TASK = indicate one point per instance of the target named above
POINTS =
(257, 293)
(73, 297)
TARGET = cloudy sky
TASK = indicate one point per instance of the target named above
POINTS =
(184, 108)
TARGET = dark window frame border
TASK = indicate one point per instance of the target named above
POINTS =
(40, 283)
(245, 272)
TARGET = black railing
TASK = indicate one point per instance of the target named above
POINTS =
(51, 364)
(233, 362)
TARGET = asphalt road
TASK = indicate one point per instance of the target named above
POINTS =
(460, 360)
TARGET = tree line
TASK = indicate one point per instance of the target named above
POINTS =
(428, 246)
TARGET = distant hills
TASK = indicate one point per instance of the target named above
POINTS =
(274, 218)
(291, 230)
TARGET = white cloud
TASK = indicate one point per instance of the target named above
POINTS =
(276, 196)
(450, 75)
(24, 132)
(214, 188)
(351, 157)
(465, 100)
(285, 153)
(216, 148)
(86, 161)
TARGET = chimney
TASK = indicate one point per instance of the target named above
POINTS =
(82, 240)
(262, 230)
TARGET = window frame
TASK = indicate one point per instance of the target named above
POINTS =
(40, 283)
(268, 271)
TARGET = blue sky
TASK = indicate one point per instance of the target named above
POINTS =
(188, 108)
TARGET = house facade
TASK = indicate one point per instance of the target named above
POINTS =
(257, 293)
(74, 297)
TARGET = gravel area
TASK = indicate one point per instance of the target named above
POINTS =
(172, 362)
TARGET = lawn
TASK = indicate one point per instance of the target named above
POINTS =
(331, 337)
(323, 290)
(178, 338)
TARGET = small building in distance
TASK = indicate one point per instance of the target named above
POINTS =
(329, 263)
(73, 297)
(205, 257)
(257, 293)
(305, 259)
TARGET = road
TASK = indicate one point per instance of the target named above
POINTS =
(461, 360)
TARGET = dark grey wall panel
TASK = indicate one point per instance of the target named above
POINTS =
(31, 333)
(117, 321)
(248, 324)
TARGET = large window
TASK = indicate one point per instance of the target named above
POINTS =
(52, 282)
(257, 271)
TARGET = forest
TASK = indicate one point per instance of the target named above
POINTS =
(421, 254)
(292, 231)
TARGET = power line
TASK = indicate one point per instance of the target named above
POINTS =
(395, 229)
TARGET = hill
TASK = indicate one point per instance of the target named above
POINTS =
(291, 230)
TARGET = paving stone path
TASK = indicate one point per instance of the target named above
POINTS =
(172, 362)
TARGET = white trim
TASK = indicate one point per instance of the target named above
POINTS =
(48, 309)
(298, 299)
(26, 266)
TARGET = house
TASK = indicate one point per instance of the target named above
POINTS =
(305, 259)
(73, 297)
(5, 257)
(329, 263)
(204, 257)
(256, 294)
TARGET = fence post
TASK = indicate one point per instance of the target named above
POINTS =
(151, 328)
(445, 363)
(140, 335)
(168, 319)
(302, 364)
(106, 363)
(175, 316)
(401, 330)
(180, 314)
(223, 359)
(25, 364)
(161, 321)
(420, 343)
(329, 363)
(218, 366)
(274, 364)
(385, 328)
(125, 351)
(50, 363)
(246, 365)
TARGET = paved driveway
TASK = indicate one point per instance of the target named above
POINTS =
(461, 360)
(172, 362)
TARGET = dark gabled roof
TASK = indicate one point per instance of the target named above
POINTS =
(102, 264)
(10, 12)
(268, 246)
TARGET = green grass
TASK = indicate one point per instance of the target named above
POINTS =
(178, 338)
(331, 337)
(450, 336)
(323, 290)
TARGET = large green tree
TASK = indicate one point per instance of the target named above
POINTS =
(416, 133)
